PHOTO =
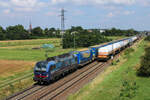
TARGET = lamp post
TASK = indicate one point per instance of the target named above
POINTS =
(74, 40)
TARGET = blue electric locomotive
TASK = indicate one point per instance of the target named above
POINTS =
(53, 68)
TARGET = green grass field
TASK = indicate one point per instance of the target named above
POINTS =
(29, 55)
(116, 37)
(9, 43)
(22, 49)
(108, 85)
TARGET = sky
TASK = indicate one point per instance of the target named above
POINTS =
(103, 14)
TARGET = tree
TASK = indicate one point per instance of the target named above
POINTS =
(82, 38)
(2, 34)
(16, 32)
(144, 69)
(77, 29)
(37, 31)
(52, 32)
(118, 32)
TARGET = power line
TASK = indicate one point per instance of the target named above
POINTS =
(62, 20)
(62, 23)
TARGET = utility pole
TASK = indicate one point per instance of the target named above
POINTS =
(62, 20)
(62, 23)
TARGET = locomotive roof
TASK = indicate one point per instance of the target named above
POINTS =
(60, 57)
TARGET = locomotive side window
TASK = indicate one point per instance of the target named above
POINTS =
(63, 64)
(73, 61)
(66, 63)
(52, 67)
(70, 61)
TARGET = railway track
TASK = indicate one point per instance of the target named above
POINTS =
(34, 90)
(6, 83)
(56, 89)
(24, 93)
(53, 94)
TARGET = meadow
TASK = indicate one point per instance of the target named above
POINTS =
(24, 49)
(119, 81)
(116, 37)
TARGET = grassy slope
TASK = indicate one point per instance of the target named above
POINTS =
(109, 88)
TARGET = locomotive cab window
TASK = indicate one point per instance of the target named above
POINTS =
(40, 67)
(52, 67)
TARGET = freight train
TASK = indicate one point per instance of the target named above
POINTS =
(55, 67)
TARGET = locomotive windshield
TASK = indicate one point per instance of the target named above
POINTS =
(41, 66)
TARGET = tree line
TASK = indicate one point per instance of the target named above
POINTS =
(18, 32)
(144, 69)
(79, 37)
(118, 32)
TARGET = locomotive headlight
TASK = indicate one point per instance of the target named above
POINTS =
(47, 75)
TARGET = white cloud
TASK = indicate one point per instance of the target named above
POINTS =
(111, 14)
(6, 11)
(119, 12)
(9, 13)
(97, 2)
(78, 12)
(145, 3)
(22, 5)
(26, 9)
(128, 12)
(51, 14)
(4, 4)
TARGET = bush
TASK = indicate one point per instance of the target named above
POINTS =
(147, 38)
(144, 69)
(115, 62)
(128, 90)
(128, 52)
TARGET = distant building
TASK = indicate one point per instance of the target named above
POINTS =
(89, 30)
(102, 30)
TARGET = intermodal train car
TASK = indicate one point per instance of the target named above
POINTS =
(106, 51)
(84, 56)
